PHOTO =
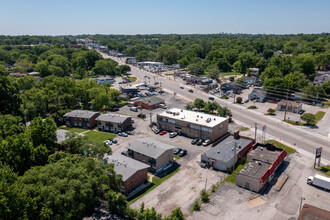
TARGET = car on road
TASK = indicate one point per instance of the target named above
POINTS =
(181, 87)
(173, 134)
(211, 98)
(156, 83)
(162, 132)
(114, 141)
(160, 91)
(156, 131)
(182, 153)
(206, 142)
(193, 142)
(199, 142)
(190, 90)
(177, 151)
(123, 134)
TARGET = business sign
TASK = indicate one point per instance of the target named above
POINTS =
(318, 152)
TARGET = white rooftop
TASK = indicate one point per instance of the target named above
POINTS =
(199, 118)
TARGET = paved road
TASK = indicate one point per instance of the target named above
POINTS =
(288, 133)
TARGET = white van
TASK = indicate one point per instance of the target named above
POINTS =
(134, 109)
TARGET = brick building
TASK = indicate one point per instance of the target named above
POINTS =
(148, 102)
(114, 122)
(133, 172)
(81, 118)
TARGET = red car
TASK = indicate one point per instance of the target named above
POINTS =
(162, 132)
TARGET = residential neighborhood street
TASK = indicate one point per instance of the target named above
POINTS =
(298, 137)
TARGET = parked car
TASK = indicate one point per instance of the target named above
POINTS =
(177, 151)
(107, 142)
(113, 140)
(154, 123)
(156, 83)
(160, 91)
(125, 153)
(203, 165)
(123, 134)
(246, 101)
(134, 109)
(163, 106)
(190, 90)
(182, 153)
(199, 142)
(173, 134)
(211, 98)
(162, 132)
(207, 142)
(181, 87)
(193, 142)
(156, 131)
(301, 112)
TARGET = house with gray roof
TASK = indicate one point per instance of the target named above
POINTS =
(62, 135)
(225, 154)
(258, 94)
(156, 154)
(134, 173)
(81, 118)
(114, 122)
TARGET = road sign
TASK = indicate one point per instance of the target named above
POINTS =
(318, 152)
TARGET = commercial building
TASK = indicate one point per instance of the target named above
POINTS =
(148, 102)
(291, 106)
(128, 90)
(309, 212)
(258, 94)
(149, 151)
(225, 154)
(81, 118)
(263, 161)
(134, 173)
(114, 122)
(193, 124)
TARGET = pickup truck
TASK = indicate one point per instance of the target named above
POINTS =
(320, 181)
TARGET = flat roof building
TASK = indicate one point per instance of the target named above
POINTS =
(152, 152)
(114, 122)
(193, 124)
(133, 172)
(263, 161)
(223, 156)
(309, 212)
(148, 102)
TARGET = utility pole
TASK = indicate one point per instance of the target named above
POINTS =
(255, 133)
(234, 156)
(286, 102)
(301, 199)
(205, 184)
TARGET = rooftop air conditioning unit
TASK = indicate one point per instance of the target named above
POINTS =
(208, 120)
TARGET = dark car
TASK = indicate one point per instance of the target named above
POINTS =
(301, 112)
(177, 151)
(181, 87)
(156, 131)
(113, 140)
(193, 142)
(182, 153)
(160, 91)
(211, 98)
(125, 153)
(199, 142)
(190, 90)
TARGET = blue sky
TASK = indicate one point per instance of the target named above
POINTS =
(57, 17)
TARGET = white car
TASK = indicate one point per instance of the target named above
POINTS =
(163, 106)
(173, 134)
(108, 142)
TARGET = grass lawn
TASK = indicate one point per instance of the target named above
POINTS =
(176, 156)
(156, 181)
(99, 137)
(288, 150)
(319, 115)
(232, 177)
(77, 130)
(230, 73)
(132, 79)
(326, 106)
(244, 129)
(325, 170)
(294, 123)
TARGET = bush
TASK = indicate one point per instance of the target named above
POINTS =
(239, 99)
(252, 107)
(309, 118)
(196, 206)
(225, 97)
(271, 111)
(204, 196)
